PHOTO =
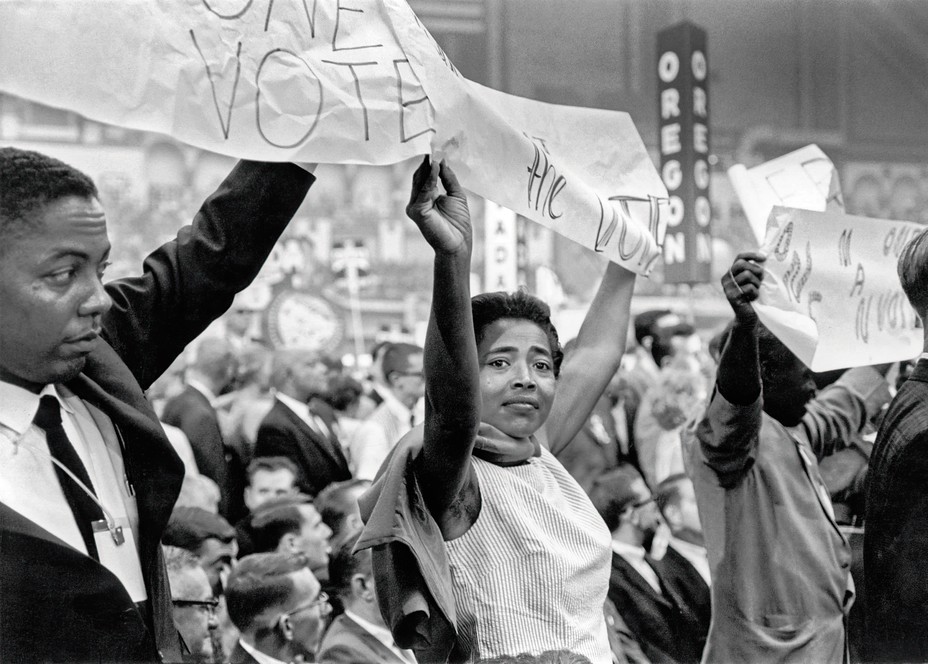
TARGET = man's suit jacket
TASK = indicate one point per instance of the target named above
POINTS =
(346, 642)
(319, 458)
(57, 604)
(896, 530)
(668, 626)
(191, 412)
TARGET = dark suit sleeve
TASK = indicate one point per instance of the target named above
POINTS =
(202, 431)
(272, 441)
(190, 281)
(908, 546)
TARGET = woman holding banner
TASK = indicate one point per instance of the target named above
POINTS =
(529, 556)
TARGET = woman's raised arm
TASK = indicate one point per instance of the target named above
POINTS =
(595, 359)
(452, 379)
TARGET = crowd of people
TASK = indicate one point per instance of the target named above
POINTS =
(491, 496)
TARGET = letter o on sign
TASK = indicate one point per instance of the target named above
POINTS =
(702, 211)
(699, 65)
(668, 66)
(228, 9)
(675, 214)
(285, 113)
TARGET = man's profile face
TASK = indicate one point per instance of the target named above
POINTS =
(307, 622)
(688, 510)
(194, 622)
(216, 559)
(51, 293)
(268, 485)
(314, 536)
(409, 385)
(309, 376)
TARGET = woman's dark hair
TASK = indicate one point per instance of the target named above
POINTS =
(488, 308)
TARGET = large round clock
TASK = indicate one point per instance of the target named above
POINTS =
(300, 320)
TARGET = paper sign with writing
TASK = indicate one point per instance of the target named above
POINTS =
(335, 81)
(830, 291)
(804, 179)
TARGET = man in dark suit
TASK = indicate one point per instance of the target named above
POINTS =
(279, 608)
(79, 582)
(896, 523)
(359, 635)
(662, 599)
(192, 411)
(291, 429)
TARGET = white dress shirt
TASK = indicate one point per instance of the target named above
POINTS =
(202, 389)
(634, 556)
(260, 657)
(377, 435)
(382, 634)
(28, 481)
(302, 411)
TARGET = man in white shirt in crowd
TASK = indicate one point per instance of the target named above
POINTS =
(676, 499)
(654, 594)
(294, 429)
(391, 420)
(278, 607)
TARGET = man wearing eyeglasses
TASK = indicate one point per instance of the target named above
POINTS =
(648, 582)
(194, 604)
(392, 419)
(278, 606)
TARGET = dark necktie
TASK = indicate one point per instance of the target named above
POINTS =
(83, 507)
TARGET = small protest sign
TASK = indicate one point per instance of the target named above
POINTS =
(830, 291)
(805, 178)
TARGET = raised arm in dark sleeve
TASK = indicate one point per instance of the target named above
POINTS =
(190, 281)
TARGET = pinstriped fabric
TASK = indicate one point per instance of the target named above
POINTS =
(532, 573)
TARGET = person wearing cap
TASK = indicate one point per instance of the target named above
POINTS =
(206, 535)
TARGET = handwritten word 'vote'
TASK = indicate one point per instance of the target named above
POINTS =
(290, 94)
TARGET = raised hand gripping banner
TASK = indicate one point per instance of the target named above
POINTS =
(335, 81)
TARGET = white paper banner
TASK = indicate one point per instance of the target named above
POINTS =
(338, 82)
(830, 291)
(804, 179)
